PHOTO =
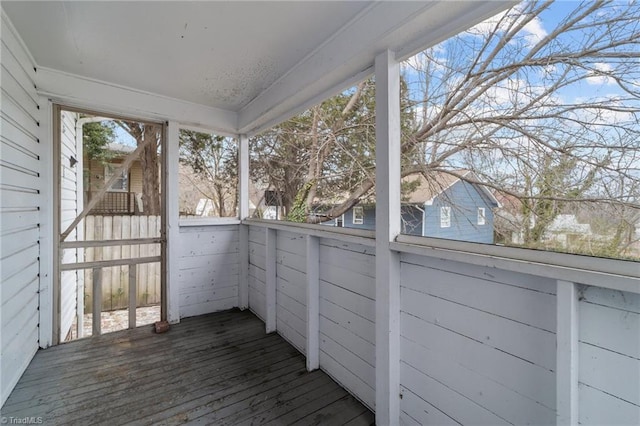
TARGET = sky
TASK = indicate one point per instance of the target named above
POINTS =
(534, 31)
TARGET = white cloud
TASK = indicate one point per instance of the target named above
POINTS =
(600, 74)
(533, 31)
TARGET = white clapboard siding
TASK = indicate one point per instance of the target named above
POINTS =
(494, 359)
(291, 288)
(609, 360)
(70, 203)
(347, 316)
(208, 269)
(20, 183)
(257, 272)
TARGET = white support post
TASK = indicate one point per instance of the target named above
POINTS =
(80, 229)
(270, 285)
(313, 303)
(173, 223)
(567, 354)
(48, 255)
(243, 173)
(387, 73)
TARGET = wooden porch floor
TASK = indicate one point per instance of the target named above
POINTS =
(213, 369)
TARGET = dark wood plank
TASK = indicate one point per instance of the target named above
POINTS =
(217, 368)
(336, 413)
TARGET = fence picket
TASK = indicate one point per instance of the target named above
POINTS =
(107, 291)
(115, 280)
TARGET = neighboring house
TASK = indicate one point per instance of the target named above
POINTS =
(444, 206)
(566, 231)
(124, 195)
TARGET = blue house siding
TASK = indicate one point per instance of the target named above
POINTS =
(464, 200)
(411, 219)
(369, 221)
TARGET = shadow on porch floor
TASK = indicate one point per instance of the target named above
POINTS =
(212, 369)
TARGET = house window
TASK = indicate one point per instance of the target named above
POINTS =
(121, 184)
(445, 217)
(339, 221)
(358, 215)
(481, 216)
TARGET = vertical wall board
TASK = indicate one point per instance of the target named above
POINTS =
(609, 356)
(21, 174)
(208, 260)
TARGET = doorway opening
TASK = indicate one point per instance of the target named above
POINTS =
(110, 224)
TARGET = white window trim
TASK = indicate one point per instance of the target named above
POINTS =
(108, 173)
(357, 221)
(445, 217)
(482, 216)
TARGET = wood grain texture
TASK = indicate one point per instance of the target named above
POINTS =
(218, 368)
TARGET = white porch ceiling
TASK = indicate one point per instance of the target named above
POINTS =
(261, 60)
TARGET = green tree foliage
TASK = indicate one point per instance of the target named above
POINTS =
(96, 137)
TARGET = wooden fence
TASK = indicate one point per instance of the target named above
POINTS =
(115, 280)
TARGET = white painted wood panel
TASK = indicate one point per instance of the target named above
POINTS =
(629, 302)
(347, 315)
(599, 408)
(610, 372)
(416, 411)
(597, 322)
(356, 303)
(346, 378)
(208, 265)
(517, 339)
(257, 272)
(291, 288)
(514, 376)
(478, 343)
(432, 392)
(609, 357)
(70, 206)
(477, 387)
(360, 326)
(291, 328)
(20, 178)
(485, 292)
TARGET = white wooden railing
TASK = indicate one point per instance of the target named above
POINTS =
(487, 334)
